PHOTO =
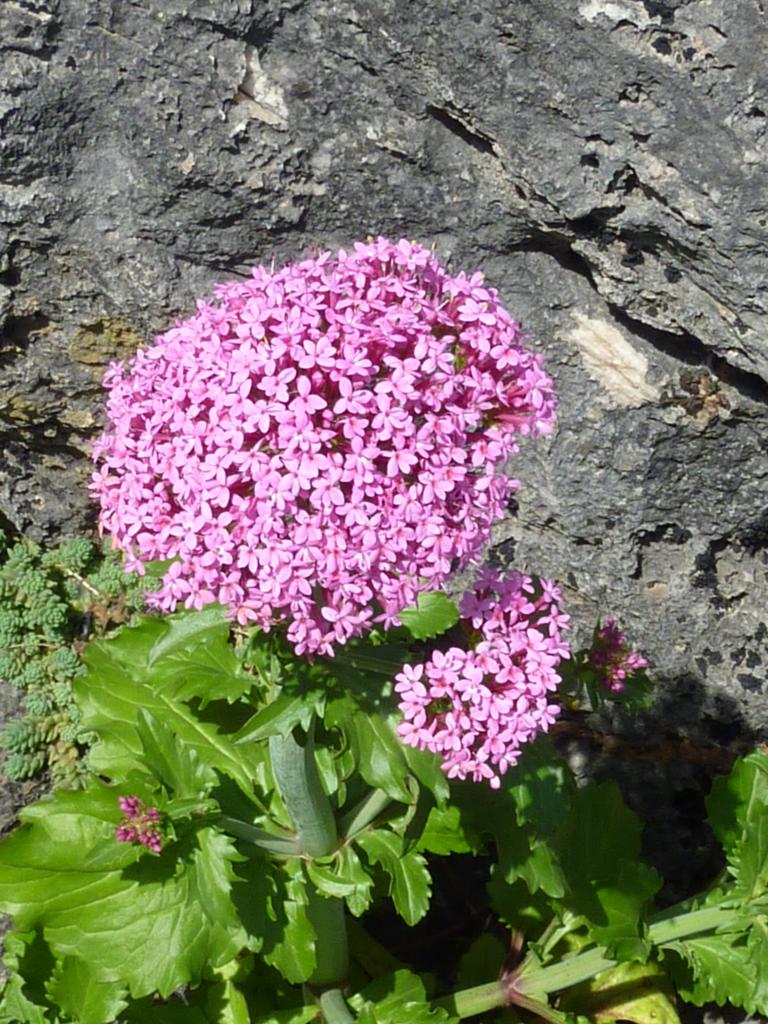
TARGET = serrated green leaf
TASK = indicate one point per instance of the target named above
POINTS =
(411, 883)
(226, 1004)
(172, 762)
(598, 847)
(120, 685)
(345, 877)
(113, 905)
(433, 614)
(76, 991)
(719, 969)
(640, 993)
(444, 832)
(398, 997)
(738, 812)
(31, 963)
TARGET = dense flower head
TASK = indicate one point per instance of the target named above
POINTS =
(321, 442)
(612, 658)
(477, 707)
(140, 824)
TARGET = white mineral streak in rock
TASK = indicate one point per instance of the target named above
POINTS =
(633, 12)
(258, 96)
(612, 362)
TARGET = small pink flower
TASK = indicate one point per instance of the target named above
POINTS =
(477, 708)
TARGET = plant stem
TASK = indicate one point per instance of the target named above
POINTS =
(530, 984)
(310, 811)
(297, 778)
(366, 811)
(334, 1007)
(281, 846)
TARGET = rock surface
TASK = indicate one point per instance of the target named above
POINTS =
(605, 162)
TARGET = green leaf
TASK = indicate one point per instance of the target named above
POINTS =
(76, 991)
(379, 754)
(125, 677)
(738, 812)
(31, 964)
(395, 998)
(271, 900)
(171, 761)
(433, 614)
(482, 961)
(599, 852)
(444, 832)
(640, 993)
(344, 878)
(279, 717)
(303, 1015)
(721, 969)
(114, 905)
(410, 881)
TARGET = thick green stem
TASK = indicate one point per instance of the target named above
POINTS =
(298, 780)
(334, 1007)
(327, 918)
(530, 984)
(310, 811)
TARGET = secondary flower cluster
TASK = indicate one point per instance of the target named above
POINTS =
(476, 708)
(322, 442)
(140, 824)
(612, 658)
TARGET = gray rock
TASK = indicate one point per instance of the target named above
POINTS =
(604, 161)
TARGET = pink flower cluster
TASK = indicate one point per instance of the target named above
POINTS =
(140, 824)
(612, 658)
(476, 708)
(322, 442)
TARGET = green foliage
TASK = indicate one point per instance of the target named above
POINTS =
(49, 601)
(235, 920)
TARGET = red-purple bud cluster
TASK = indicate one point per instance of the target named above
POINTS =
(612, 658)
(140, 824)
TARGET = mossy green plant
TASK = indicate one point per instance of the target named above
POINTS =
(51, 601)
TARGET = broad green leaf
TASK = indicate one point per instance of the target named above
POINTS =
(304, 1015)
(395, 998)
(433, 614)
(482, 961)
(112, 695)
(635, 992)
(426, 768)
(76, 991)
(410, 881)
(114, 905)
(598, 847)
(279, 717)
(171, 761)
(379, 754)
(444, 833)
